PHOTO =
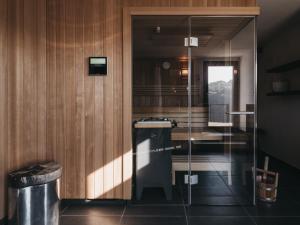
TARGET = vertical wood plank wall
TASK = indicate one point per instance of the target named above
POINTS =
(3, 104)
(49, 108)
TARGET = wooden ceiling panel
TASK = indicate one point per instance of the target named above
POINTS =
(164, 35)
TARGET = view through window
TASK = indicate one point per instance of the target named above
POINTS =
(220, 93)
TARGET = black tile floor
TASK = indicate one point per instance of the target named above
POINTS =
(286, 211)
(263, 214)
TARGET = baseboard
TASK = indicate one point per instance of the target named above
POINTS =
(67, 202)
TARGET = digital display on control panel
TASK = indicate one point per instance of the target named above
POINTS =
(97, 66)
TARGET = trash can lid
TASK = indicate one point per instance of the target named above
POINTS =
(35, 175)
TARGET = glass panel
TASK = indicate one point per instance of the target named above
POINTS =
(222, 89)
(160, 80)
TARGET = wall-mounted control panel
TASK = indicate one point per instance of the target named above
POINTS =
(97, 66)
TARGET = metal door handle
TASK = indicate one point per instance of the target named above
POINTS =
(240, 113)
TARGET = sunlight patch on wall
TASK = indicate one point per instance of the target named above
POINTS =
(108, 177)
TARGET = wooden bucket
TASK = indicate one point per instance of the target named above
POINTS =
(267, 183)
(267, 192)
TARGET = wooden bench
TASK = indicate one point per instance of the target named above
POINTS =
(196, 135)
(201, 163)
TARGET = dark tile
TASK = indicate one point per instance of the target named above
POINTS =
(288, 196)
(220, 221)
(245, 200)
(242, 190)
(220, 196)
(274, 209)
(239, 181)
(243, 195)
(63, 207)
(210, 191)
(210, 181)
(89, 220)
(296, 196)
(289, 180)
(215, 211)
(237, 169)
(215, 200)
(142, 210)
(83, 210)
(153, 221)
(3, 221)
(277, 220)
(157, 196)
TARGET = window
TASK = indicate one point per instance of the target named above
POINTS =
(220, 94)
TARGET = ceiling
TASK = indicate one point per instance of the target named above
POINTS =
(274, 14)
(168, 41)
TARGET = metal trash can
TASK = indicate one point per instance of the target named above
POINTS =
(33, 196)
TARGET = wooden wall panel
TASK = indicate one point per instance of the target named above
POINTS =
(28, 148)
(79, 111)
(50, 108)
(200, 3)
(3, 104)
(109, 95)
(72, 168)
(15, 82)
(59, 85)
(51, 80)
(180, 3)
(22, 87)
(89, 100)
(41, 80)
(212, 3)
(99, 137)
(117, 91)
(108, 173)
(158, 3)
(184, 3)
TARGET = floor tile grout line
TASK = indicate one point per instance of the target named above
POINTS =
(98, 216)
(154, 216)
(248, 214)
(156, 205)
(220, 216)
(276, 217)
(169, 216)
(63, 210)
(186, 216)
(245, 216)
(123, 213)
(184, 207)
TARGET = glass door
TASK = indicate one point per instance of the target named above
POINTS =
(222, 102)
(194, 100)
(160, 110)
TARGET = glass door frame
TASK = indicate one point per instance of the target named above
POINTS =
(128, 12)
